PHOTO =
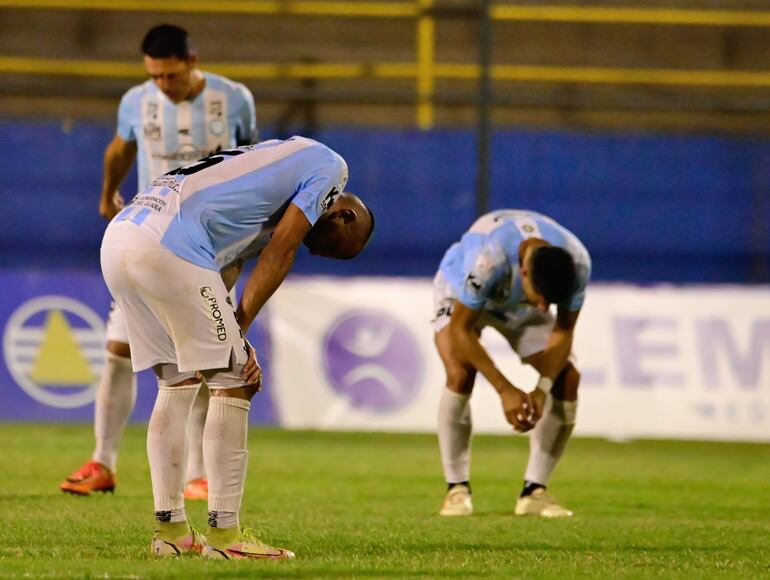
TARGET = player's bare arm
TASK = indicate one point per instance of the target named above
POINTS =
(550, 362)
(462, 328)
(118, 158)
(274, 264)
(559, 345)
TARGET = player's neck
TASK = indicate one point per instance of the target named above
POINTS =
(198, 83)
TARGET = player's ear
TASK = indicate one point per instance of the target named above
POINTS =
(347, 215)
(192, 60)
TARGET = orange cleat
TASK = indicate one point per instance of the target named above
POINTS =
(93, 476)
(197, 489)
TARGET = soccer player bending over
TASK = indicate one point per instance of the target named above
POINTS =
(169, 260)
(176, 117)
(505, 272)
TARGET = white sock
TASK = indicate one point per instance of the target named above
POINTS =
(549, 438)
(115, 399)
(225, 453)
(454, 435)
(166, 444)
(195, 426)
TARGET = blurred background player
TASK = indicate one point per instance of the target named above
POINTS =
(505, 272)
(178, 116)
(169, 270)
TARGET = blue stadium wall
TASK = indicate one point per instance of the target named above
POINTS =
(649, 208)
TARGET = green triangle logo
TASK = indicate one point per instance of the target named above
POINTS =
(60, 361)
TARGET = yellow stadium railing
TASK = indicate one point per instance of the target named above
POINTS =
(425, 70)
(350, 8)
(516, 73)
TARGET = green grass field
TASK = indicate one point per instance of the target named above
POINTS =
(364, 505)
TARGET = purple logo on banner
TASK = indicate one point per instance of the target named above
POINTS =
(373, 360)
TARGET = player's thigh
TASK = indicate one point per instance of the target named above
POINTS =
(527, 334)
(150, 340)
(117, 332)
(460, 375)
(227, 381)
(199, 314)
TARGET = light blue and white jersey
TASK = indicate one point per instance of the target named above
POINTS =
(226, 206)
(171, 135)
(483, 267)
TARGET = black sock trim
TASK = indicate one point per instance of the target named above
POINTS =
(529, 487)
(465, 483)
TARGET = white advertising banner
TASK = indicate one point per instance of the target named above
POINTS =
(680, 362)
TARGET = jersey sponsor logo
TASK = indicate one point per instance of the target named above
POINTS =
(156, 204)
(217, 124)
(446, 307)
(527, 227)
(186, 154)
(373, 361)
(217, 127)
(218, 328)
(473, 284)
(488, 265)
(54, 349)
(330, 198)
(166, 181)
(152, 131)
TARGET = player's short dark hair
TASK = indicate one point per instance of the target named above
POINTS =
(553, 273)
(166, 41)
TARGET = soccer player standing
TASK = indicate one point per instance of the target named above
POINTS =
(178, 116)
(505, 273)
(168, 260)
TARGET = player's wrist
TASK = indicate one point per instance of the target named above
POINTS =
(544, 384)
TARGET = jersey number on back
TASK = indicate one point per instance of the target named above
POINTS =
(205, 162)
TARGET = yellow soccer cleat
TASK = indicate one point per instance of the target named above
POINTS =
(197, 489)
(540, 503)
(93, 476)
(243, 543)
(457, 502)
(167, 544)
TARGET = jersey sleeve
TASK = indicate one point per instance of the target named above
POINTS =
(482, 271)
(127, 113)
(246, 130)
(318, 192)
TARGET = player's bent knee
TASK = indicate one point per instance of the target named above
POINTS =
(120, 349)
(460, 380)
(565, 386)
(169, 375)
(229, 383)
(245, 392)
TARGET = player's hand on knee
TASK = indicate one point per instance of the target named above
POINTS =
(537, 399)
(518, 409)
(252, 372)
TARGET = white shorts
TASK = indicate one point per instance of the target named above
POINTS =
(116, 325)
(175, 312)
(116, 322)
(526, 329)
